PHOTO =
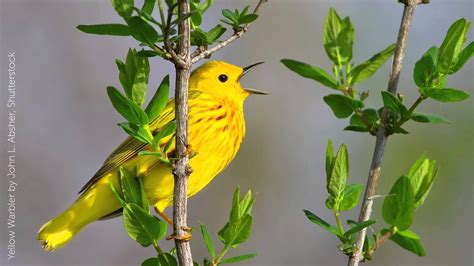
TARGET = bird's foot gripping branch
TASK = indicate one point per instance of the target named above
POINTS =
(430, 75)
(147, 229)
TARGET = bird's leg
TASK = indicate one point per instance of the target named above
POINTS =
(187, 229)
(164, 216)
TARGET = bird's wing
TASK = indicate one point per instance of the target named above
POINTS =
(130, 147)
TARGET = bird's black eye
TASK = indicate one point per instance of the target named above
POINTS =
(223, 78)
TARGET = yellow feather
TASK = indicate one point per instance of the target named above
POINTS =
(216, 129)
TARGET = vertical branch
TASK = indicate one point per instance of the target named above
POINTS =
(374, 173)
(181, 168)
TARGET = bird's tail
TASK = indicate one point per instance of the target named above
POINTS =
(60, 230)
(95, 203)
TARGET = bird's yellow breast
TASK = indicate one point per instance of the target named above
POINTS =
(215, 131)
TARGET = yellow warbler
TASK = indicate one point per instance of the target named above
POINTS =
(216, 129)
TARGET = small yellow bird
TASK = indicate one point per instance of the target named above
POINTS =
(216, 129)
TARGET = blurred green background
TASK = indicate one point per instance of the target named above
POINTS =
(66, 127)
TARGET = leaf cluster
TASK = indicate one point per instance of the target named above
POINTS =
(406, 195)
(430, 75)
(139, 223)
(161, 35)
(342, 197)
(133, 75)
(235, 232)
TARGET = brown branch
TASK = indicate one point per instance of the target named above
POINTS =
(181, 168)
(205, 53)
(381, 241)
(381, 140)
(166, 35)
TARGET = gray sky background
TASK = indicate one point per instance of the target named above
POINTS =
(66, 127)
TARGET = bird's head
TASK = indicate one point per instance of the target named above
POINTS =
(221, 79)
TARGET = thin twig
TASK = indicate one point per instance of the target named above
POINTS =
(235, 36)
(381, 241)
(181, 168)
(407, 117)
(166, 36)
(381, 140)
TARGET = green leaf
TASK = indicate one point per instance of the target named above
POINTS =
(392, 103)
(169, 143)
(237, 230)
(140, 81)
(128, 109)
(141, 133)
(227, 13)
(329, 159)
(398, 208)
(142, 31)
(356, 128)
(151, 262)
(196, 17)
(369, 67)
(198, 37)
(358, 227)
(358, 125)
(249, 18)
(341, 105)
(311, 72)
(408, 240)
(165, 131)
(129, 74)
(105, 29)
(422, 175)
(351, 196)
(463, 57)
(331, 202)
(121, 66)
(234, 234)
(208, 241)
(131, 189)
(428, 118)
(159, 100)
(339, 174)
(124, 8)
(166, 259)
(356, 121)
(445, 95)
(246, 204)
(239, 258)
(452, 45)
(425, 71)
(148, 53)
(316, 220)
(117, 194)
(151, 153)
(148, 6)
(338, 38)
(215, 33)
(141, 226)
(163, 259)
(234, 211)
(346, 40)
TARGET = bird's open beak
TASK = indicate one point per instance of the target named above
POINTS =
(247, 70)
